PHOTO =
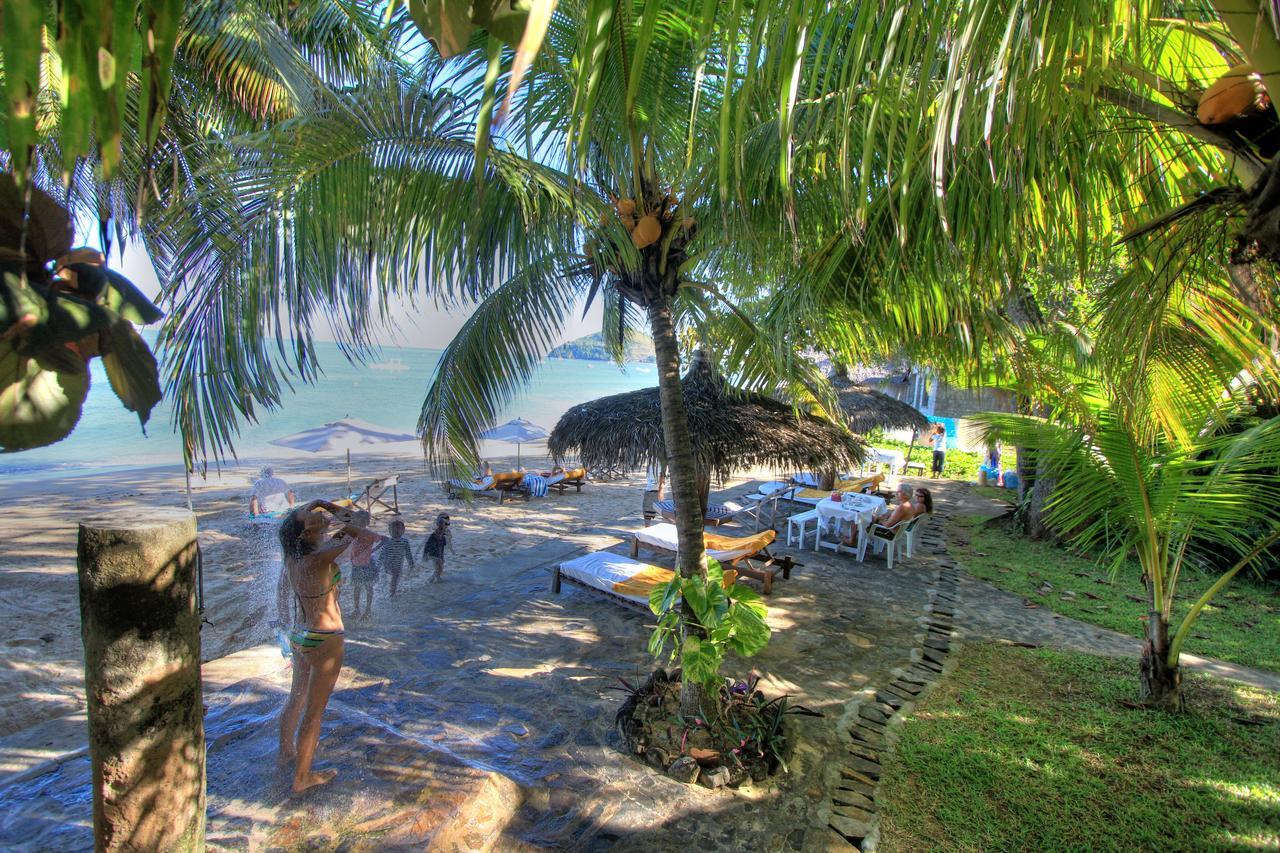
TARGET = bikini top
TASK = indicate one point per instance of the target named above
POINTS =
(335, 581)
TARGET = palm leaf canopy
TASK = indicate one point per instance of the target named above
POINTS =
(867, 409)
(732, 429)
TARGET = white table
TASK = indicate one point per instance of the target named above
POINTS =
(895, 459)
(854, 509)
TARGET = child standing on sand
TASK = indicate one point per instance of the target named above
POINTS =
(395, 550)
(433, 551)
(363, 571)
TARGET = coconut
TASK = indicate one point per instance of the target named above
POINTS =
(626, 207)
(1239, 92)
(647, 232)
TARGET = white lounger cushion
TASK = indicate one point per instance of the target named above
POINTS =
(603, 570)
(663, 537)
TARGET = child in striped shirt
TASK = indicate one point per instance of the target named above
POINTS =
(395, 550)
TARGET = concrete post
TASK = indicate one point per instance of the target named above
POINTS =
(142, 676)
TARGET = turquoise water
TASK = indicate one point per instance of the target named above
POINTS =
(388, 392)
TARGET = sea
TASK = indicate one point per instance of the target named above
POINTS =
(388, 391)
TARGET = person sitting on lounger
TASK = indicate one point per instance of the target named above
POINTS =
(268, 486)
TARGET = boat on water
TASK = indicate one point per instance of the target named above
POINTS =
(395, 365)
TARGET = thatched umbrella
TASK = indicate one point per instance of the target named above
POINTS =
(732, 429)
(866, 409)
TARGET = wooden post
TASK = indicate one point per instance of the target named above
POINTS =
(141, 637)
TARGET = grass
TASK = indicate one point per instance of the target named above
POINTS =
(1242, 625)
(959, 465)
(1032, 750)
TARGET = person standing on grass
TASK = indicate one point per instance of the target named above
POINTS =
(939, 450)
(395, 550)
(657, 479)
(433, 551)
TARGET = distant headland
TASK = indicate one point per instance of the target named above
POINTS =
(591, 348)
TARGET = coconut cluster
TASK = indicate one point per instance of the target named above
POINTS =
(648, 220)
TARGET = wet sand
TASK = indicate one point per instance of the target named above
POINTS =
(41, 666)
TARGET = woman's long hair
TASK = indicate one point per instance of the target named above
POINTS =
(926, 499)
(291, 541)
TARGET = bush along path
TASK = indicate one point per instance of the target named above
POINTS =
(853, 818)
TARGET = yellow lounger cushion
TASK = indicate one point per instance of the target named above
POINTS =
(576, 474)
(507, 480)
(644, 581)
(737, 547)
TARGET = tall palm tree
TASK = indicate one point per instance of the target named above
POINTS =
(606, 182)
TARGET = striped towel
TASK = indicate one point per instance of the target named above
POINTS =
(536, 485)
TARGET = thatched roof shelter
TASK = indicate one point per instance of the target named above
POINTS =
(867, 409)
(732, 429)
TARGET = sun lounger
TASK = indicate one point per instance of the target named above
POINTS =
(749, 555)
(621, 578)
(560, 481)
(499, 486)
(715, 515)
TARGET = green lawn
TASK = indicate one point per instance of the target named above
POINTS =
(1032, 750)
(960, 464)
(1242, 626)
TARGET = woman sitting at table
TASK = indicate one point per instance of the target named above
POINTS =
(902, 511)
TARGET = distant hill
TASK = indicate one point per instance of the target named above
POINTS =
(591, 348)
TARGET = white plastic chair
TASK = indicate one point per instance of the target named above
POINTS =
(895, 537)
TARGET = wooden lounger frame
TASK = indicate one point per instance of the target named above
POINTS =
(557, 576)
(497, 494)
(763, 572)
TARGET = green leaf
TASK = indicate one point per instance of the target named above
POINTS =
(663, 598)
(700, 661)
(20, 300)
(505, 19)
(70, 319)
(38, 406)
(131, 369)
(22, 43)
(111, 289)
(444, 23)
(750, 632)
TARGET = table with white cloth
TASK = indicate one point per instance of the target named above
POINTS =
(895, 459)
(852, 509)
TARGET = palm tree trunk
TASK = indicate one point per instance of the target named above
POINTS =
(1160, 684)
(683, 476)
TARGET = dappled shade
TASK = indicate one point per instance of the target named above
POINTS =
(732, 429)
(867, 409)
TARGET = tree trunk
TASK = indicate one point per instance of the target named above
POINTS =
(681, 471)
(1160, 684)
(1041, 488)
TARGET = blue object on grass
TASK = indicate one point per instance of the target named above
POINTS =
(1011, 479)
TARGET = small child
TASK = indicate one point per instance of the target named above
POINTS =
(395, 550)
(433, 551)
(363, 571)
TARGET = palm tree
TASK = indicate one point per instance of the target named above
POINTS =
(1124, 489)
(606, 183)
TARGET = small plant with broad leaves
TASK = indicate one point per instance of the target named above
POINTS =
(724, 619)
(60, 307)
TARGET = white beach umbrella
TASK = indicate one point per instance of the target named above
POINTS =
(345, 434)
(517, 432)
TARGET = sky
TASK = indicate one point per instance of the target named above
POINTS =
(422, 325)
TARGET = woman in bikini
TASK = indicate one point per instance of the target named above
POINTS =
(311, 574)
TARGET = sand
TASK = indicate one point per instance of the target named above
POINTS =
(41, 675)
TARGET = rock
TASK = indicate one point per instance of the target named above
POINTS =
(1045, 588)
(1068, 596)
(717, 778)
(684, 769)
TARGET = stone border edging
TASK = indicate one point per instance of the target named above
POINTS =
(854, 820)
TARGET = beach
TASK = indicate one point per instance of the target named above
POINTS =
(42, 673)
